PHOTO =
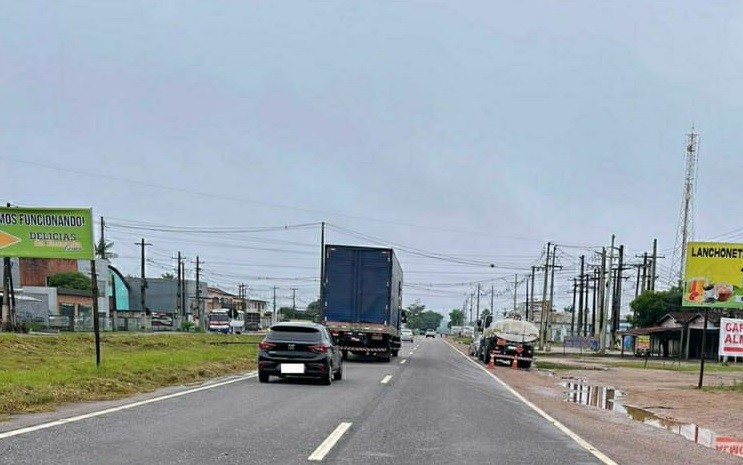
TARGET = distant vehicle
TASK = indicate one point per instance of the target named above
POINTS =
(295, 349)
(406, 335)
(252, 320)
(227, 321)
(430, 333)
(362, 300)
(510, 339)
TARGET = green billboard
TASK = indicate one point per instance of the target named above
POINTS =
(46, 233)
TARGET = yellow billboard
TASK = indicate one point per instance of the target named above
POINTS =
(713, 275)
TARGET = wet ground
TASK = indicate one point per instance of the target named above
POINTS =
(610, 398)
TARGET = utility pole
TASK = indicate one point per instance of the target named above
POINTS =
(552, 298)
(602, 302)
(143, 283)
(526, 300)
(294, 300)
(580, 294)
(515, 292)
(608, 292)
(322, 268)
(102, 251)
(477, 315)
(533, 291)
(542, 335)
(644, 272)
(179, 310)
(653, 267)
(617, 300)
(492, 300)
(572, 317)
(595, 301)
(197, 294)
(275, 320)
(184, 309)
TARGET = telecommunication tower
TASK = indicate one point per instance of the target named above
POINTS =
(685, 230)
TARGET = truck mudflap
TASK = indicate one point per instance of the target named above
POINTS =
(511, 357)
(371, 350)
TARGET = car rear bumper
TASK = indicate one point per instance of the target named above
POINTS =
(313, 367)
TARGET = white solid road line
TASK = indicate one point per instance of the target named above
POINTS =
(323, 449)
(51, 424)
(386, 379)
(403, 361)
(574, 436)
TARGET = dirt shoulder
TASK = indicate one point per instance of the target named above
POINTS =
(670, 395)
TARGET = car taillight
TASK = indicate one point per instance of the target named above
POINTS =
(320, 349)
(263, 345)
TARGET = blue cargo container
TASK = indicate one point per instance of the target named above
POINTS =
(362, 299)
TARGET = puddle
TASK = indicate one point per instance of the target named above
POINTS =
(608, 398)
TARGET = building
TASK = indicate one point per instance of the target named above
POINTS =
(679, 334)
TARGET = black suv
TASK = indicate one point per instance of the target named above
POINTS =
(299, 349)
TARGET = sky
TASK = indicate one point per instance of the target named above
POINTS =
(462, 134)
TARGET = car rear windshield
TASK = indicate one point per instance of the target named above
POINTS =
(294, 333)
(219, 317)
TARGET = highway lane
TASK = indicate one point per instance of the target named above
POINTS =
(244, 422)
(431, 406)
(444, 409)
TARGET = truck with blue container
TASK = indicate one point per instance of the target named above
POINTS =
(362, 300)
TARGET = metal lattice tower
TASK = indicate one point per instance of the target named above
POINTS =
(685, 230)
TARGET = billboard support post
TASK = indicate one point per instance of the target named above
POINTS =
(96, 317)
(704, 342)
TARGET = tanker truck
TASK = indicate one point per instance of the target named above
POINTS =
(507, 340)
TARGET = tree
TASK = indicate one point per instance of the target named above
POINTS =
(414, 312)
(456, 318)
(103, 249)
(70, 280)
(650, 306)
(430, 320)
(167, 276)
(313, 310)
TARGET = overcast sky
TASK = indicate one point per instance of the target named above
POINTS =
(463, 134)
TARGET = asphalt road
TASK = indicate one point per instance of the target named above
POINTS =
(430, 405)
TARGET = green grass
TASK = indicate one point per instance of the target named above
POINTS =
(40, 372)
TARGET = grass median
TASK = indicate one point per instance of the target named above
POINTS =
(38, 373)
